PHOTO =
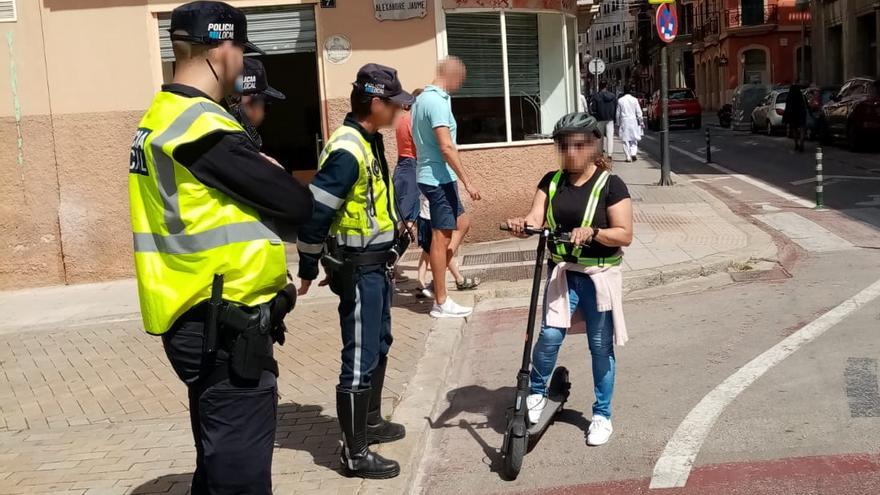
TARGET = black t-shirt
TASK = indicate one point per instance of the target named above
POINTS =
(570, 203)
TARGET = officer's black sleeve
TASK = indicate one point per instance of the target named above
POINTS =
(230, 163)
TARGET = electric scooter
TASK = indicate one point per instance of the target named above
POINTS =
(518, 431)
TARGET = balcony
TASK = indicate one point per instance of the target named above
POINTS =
(758, 15)
(706, 26)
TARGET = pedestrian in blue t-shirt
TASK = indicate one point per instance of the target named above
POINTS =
(439, 170)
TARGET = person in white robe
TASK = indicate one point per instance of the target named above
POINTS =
(629, 118)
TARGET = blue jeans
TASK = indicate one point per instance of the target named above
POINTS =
(600, 336)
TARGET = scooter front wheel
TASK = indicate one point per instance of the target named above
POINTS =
(514, 455)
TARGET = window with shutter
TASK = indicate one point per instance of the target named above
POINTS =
(539, 74)
(7, 11)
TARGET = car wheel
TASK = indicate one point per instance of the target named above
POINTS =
(697, 122)
(754, 127)
(824, 133)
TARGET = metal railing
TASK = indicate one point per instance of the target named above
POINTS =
(706, 26)
(750, 16)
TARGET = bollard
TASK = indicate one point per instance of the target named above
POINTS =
(820, 192)
(708, 146)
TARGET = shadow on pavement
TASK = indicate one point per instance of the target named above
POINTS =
(320, 440)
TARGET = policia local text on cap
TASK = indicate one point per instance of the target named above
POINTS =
(211, 269)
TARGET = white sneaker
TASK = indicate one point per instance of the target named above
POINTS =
(450, 309)
(600, 430)
(536, 404)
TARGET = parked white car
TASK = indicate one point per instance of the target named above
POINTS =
(767, 116)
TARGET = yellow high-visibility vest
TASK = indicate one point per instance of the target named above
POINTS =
(559, 250)
(184, 231)
(367, 215)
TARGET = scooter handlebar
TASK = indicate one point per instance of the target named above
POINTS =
(558, 237)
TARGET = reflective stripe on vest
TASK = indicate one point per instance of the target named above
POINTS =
(558, 249)
(184, 231)
(366, 216)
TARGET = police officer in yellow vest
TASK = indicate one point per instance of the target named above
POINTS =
(211, 270)
(354, 203)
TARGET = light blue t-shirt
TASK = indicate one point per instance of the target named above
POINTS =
(433, 108)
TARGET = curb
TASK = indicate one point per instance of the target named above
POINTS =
(423, 394)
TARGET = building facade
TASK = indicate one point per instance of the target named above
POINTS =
(746, 41)
(845, 36)
(680, 51)
(82, 72)
(612, 38)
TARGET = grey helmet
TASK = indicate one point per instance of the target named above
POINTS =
(577, 123)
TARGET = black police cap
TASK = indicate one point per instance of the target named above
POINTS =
(208, 23)
(382, 82)
(255, 82)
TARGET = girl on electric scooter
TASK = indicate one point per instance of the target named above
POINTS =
(585, 199)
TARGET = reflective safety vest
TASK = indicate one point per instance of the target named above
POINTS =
(366, 216)
(559, 251)
(185, 231)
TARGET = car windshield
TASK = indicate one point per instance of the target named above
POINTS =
(681, 94)
(781, 97)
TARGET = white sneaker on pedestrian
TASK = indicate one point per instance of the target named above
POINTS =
(600, 430)
(450, 309)
(536, 404)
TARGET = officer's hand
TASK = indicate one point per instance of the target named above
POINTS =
(303, 287)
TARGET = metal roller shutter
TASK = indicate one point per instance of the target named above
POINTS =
(476, 40)
(275, 30)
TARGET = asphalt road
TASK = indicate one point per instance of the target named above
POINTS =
(771, 383)
(852, 180)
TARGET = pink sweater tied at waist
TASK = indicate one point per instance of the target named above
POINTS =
(609, 296)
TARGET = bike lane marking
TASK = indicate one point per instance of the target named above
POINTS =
(745, 178)
(675, 463)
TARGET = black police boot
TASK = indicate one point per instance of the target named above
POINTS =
(357, 459)
(380, 430)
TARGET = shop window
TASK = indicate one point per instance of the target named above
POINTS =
(540, 74)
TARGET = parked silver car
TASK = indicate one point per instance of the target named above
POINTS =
(767, 116)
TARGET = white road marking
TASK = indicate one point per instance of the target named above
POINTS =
(807, 234)
(848, 177)
(732, 190)
(745, 178)
(675, 463)
(875, 201)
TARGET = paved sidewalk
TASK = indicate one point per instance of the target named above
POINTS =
(90, 405)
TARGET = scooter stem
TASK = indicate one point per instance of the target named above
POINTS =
(533, 304)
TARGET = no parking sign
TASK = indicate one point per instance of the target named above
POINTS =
(667, 22)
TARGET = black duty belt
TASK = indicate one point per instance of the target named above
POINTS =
(371, 258)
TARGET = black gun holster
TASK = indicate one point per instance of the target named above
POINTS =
(246, 336)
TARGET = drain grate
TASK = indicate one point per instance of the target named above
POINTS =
(502, 273)
(497, 258)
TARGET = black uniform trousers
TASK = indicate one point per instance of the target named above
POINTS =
(233, 420)
(365, 318)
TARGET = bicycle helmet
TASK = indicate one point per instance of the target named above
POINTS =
(576, 123)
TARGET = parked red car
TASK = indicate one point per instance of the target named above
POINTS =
(684, 109)
(853, 114)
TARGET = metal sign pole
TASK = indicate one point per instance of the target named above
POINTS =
(665, 173)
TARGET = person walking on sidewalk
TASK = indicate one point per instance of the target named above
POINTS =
(426, 289)
(795, 116)
(604, 109)
(629, 118)
(354, 203)
(583, 198)
(439, 170)
(406, 187)
(211, 271)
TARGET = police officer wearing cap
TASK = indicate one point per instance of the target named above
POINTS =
(211, 269)
(255, 96)
(354, 204)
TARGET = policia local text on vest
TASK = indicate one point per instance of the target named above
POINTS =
(211, 268)
(354, 205)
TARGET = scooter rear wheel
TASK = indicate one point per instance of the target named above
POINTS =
(513, 457)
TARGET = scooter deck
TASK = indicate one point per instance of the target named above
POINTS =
(554, 405)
